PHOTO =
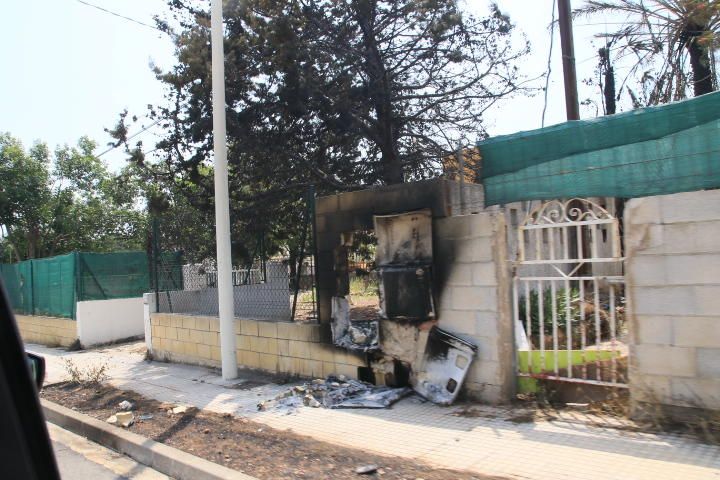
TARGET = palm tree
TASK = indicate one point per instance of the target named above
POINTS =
(664, 38)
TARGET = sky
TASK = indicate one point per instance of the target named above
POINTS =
(70, 69)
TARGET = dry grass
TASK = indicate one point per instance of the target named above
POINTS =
(696, 420)
(648, 416)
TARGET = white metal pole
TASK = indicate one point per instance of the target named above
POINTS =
(222, 199)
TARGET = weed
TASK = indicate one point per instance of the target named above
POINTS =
(614, 405)
(648, 415)
(364, 286)
(695, 418)
(90, 375)
(709, 428)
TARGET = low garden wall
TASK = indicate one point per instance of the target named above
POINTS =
(98, 322)
(276, 347)
(103, 321)
(51, 331)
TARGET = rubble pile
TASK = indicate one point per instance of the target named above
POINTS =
(336, 392)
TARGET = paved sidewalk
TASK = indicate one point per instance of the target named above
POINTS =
(492, 441)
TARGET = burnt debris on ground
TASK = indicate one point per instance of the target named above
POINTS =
(335, 392)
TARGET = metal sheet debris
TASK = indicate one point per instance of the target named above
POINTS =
(335, 392)
(366, 469)
(445, 365)
(358, 335)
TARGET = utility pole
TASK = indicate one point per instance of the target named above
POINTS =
(226, 304)
(568, 56)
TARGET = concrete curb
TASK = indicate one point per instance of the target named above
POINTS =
(164, 459)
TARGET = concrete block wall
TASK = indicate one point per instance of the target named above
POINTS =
(474, 298)
(465, 199)
(51, 331)
(276, 347)
(673, 293)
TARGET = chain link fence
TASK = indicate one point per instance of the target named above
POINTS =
(278, 287)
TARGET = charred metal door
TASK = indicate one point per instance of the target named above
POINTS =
(404, 258)
(406, 292)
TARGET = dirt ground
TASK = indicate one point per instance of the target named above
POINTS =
(364, 307)
(241, 444)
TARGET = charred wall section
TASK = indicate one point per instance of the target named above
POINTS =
(474, 303)
(470, 276)
(354, 211)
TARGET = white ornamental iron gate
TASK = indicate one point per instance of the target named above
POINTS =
(569, 295)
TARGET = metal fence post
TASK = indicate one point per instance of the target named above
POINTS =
(263, 256)
(155, 260)
(32, 288)
(301, 256)
(78, 282)
(460, 157)
(312, 194)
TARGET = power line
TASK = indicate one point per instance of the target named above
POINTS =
(549, 64)
(139, 23)
(611, 49)
(121, 16)
(131, 136)
(602, 24)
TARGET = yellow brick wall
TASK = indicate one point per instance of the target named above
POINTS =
(277, 347)
(51, 331)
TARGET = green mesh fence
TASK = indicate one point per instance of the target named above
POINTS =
(52, 286)
(17, 280)
(651, 151)
(104, 276)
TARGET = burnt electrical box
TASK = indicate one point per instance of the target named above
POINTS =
(404, 260)
(406, 292)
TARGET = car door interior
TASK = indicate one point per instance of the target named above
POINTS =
(25, 448)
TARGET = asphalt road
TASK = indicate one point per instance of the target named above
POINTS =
(79, 458)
